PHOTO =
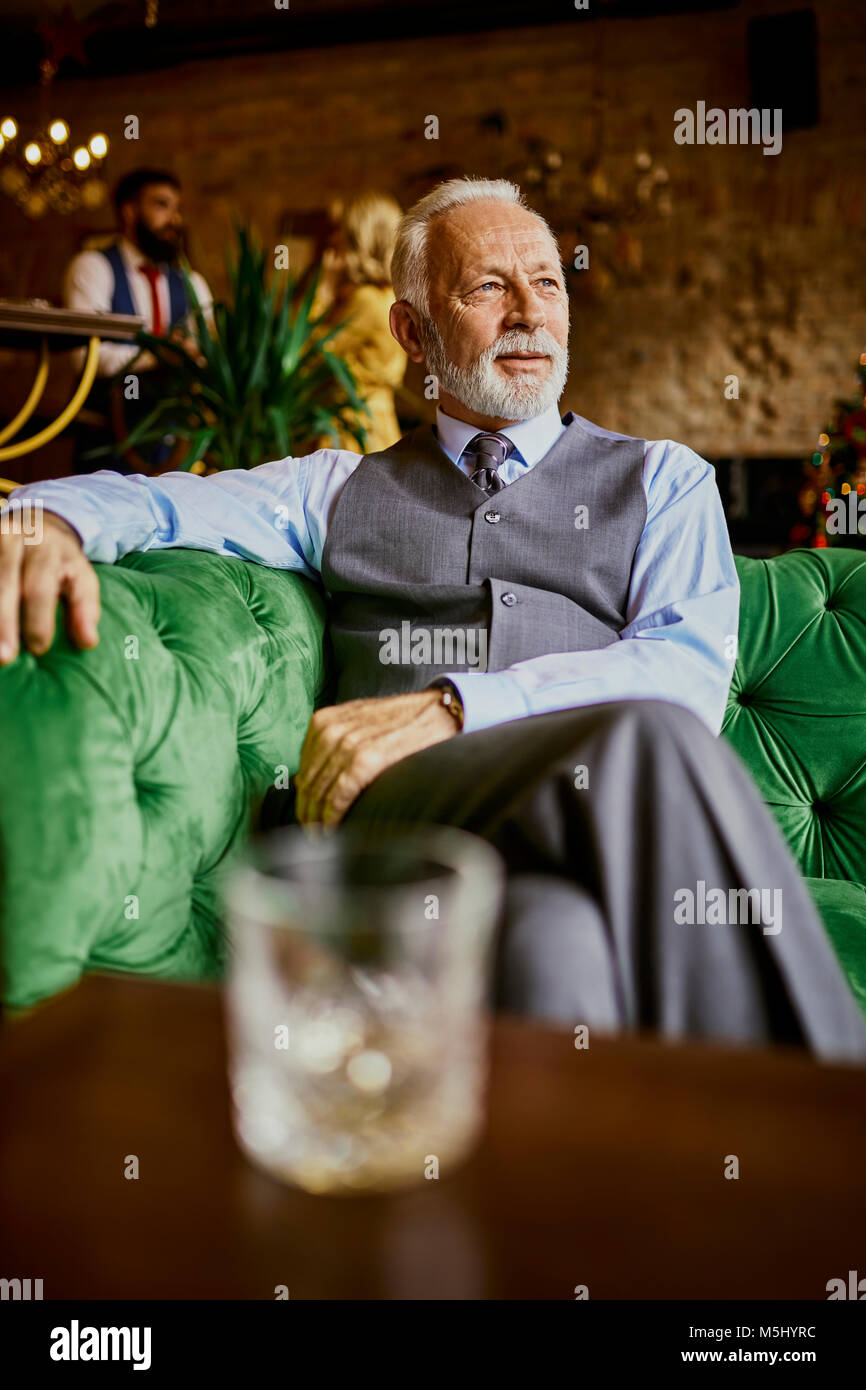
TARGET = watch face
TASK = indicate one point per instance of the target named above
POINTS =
(451, 700)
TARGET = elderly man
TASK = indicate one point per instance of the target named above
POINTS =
(534, 624)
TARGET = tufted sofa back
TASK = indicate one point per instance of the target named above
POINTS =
(797, 706)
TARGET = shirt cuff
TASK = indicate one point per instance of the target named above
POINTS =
(58, 501)
(488, 698)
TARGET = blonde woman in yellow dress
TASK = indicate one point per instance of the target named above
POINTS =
(355, 284)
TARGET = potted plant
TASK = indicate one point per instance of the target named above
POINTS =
(263, 384)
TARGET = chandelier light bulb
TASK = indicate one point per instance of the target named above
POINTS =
(47, 173)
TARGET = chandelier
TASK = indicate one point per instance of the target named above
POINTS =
(48, 172)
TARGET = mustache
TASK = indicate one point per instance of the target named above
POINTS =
(516, 340)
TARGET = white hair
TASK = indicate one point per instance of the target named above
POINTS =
(410, 275)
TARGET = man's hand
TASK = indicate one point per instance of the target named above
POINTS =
(348, 745)
(189, 345)
(34, 577)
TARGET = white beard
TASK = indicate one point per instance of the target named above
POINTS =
(482, 389)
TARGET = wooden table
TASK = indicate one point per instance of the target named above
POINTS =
(602, 1167)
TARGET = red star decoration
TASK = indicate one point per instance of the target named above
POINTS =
(65, 38)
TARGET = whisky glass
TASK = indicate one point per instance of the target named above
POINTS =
(357, 1003)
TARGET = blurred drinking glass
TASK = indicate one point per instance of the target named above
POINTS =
(357, 1003)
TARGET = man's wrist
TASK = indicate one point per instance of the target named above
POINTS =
(62, 525)
(449, 698)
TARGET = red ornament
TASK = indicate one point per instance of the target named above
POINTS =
(65, 39)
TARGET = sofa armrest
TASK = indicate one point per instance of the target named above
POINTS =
(130, 772)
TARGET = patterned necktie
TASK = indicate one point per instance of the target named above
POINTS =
(151, 273)
(491, 450)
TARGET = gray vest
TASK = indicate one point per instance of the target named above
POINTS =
(426, 574)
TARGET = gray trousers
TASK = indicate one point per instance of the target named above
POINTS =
(604, 815)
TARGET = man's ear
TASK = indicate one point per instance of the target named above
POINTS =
(404, 327)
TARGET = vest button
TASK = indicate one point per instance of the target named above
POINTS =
(509, 600)
(492, 517)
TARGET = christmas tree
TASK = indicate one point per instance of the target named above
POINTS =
(832, 499)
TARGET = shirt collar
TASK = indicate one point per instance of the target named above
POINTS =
(532, 439)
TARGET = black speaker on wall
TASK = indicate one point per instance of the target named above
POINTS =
(783, 66)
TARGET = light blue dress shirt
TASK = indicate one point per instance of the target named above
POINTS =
(679, 641)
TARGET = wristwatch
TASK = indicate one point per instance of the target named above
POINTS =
(449, 696)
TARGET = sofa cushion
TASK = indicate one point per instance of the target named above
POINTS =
(129, 771)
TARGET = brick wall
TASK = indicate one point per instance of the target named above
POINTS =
(759, 271)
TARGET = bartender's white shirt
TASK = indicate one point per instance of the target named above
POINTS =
(89, 287)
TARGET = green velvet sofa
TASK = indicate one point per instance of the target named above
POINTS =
(130, 773)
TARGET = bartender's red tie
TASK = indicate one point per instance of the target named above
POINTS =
(152, 275)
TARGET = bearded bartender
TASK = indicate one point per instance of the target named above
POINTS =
(137, 274)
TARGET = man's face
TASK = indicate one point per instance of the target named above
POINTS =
(154, 221)
(497, 336)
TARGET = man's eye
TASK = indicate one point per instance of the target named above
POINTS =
(546, 280)
(489, 285)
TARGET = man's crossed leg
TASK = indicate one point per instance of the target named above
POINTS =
(617, 822)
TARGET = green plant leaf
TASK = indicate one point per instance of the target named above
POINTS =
(197, 449)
